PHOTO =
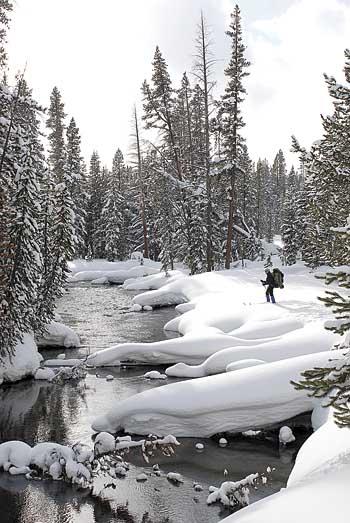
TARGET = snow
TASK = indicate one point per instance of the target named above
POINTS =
(286, 435)
(25, 361)
(232, 493)
(152, 282)
(155, 375)
(227, 310)
(136, 308)
(100, 272)
(141, 477)
(104, 442)
(73, 362)
(100, 281)
(57, 334)
(243, 364)
(248, 399)
(175, 477)
(317, 489)
(311, 338)
(44, 374)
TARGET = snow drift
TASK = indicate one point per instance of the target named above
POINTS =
(250, 398)
(25, 362)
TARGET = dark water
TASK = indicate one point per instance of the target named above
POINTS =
(35, 411)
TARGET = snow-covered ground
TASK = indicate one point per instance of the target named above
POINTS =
(227, 309)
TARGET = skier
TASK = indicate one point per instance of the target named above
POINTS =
(270, 282)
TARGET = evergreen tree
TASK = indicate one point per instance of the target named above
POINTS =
(56, 126)
(20, 169)
(77, 176)
(290, 221)
(231, 118)
(333, 381)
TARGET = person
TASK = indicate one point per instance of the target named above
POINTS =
(270, 282)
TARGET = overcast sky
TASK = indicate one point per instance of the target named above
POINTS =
(99, 52)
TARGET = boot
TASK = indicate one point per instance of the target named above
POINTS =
(273, 299)
(268, 298)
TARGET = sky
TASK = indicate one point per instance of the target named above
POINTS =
(99, 52)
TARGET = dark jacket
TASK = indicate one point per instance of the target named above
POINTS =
(270, 281)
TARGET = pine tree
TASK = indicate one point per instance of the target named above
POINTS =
(278, 175)
(20, 169)
(290, 223)
(95, 204)
(333, 381)
(77, 176)
(231, 118)
(56, 126)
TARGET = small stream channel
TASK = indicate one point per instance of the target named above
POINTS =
(35, 411)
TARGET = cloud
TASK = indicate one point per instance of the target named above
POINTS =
(98, 54)
(289, 54)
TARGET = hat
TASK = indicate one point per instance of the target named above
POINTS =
(267, 270)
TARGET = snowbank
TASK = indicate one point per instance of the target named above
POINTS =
(307, 340)
(317, 490)
(190, 349)
(112, 272)
(57, 334)
(25, 361)
(250, 398)
(152, 282)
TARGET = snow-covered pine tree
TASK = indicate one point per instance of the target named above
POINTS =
(95, 203)
(56, 126)
(290, 225)
(333, 381)
(57, 196)
(21, 159)
(113, 219)
(231, 118)
(327, 180)
(159, 114)
(77, 174)
(278, 183)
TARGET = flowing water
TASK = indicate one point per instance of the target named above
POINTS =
(34, 411)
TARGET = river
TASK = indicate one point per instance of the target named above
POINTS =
(35, 411)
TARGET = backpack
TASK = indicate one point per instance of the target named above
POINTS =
(278, 276)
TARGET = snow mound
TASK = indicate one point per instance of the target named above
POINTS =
(155, 375)
(100, 276)
(100, 281)
(286, 435)
(152, 281)
(311, 338)
(243, 364)
(250, 398)
(25, 361)
(44, 374)
(57, 334)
